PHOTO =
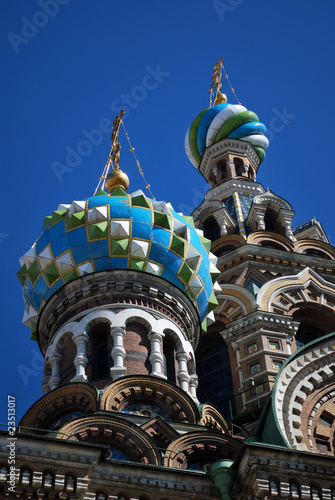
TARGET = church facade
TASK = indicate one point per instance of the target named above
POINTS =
(185, 356)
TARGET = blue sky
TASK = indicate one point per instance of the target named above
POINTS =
(69, 65)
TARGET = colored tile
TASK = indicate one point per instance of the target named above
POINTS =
(161, 236)
(77, 237)
(41, 287)
(60, 245)
(173, 262)
(81, 254)
(70, 276)
(168, 275)
(99, 249)
(56, 286)
(119, 262)
(51, 274)
(47, 220)
(141, 230)
(185, 273)
(22, 273)
(140, 201)
(162, 220)
(119, 247)
(98, 200)
(56, 230)
(141, 215)
(34, 272)
(42, 241)
(158, 253)
(178, 245)
(27, 290)
(76, 220)
(98, 230)
(136, 264)
(102, 264)
(57, 216)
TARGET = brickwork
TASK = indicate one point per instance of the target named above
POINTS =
(137, 346)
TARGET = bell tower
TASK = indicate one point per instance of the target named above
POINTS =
(258, 250)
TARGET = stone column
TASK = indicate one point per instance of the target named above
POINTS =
(156, 358)
(55, 373)
(193, 387)
(118, 354)
(220, 219)
(260, 212)
(80, 360)
(183, 375)
(230, 165)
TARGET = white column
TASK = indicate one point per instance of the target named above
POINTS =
(118, 354)
(230, 165)
(193, 387)
(156, 358)
(55, 373)
(80, 361)
(220, 219)
(183, 375)
(260, 212)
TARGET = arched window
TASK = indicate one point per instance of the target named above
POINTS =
(313, 252)
(214, 375)
(169, 359)
(294, 490)
(238, 167)
(315, 493)
(99, 335)
(307, 333)
(48, 480)
(274, 487)
(222, 169)
(211, 229)
(272, 244)
(270, 221)
(70, 484)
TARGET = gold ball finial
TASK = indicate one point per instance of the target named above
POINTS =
(220, 98)
(116, 179)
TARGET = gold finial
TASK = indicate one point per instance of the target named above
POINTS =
(220, 98)
(115, 179)
(215, 87)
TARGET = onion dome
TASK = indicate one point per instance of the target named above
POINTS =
(118, 231)
(221, 121)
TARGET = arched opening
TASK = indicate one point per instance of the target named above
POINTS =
(100, 352)
(169, 359)
(214, 374)
(272, 244)
(211, 229)
(294, 490)
(238, 167)
(137, 346)
(315, 322)
(222, 170)
(314, 252)
(68, 351)
(270, 221)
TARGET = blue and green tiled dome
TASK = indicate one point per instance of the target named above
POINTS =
(118, 231)
(223, 121)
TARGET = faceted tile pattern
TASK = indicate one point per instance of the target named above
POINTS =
(117, 231)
